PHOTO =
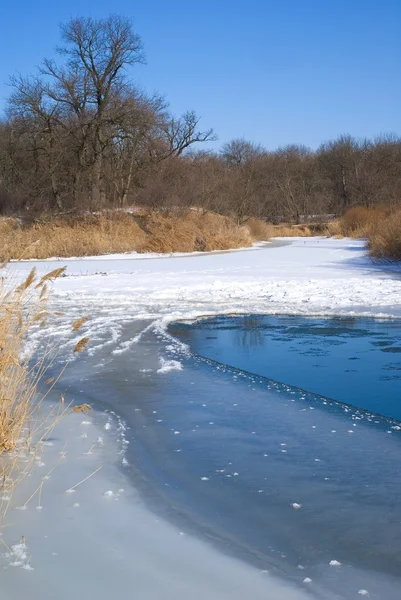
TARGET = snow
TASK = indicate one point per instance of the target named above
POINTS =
(314, 276)
(169, 365)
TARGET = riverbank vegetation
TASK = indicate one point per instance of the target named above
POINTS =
(24, 376)
(81, 141)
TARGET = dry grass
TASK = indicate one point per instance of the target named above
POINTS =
(260, 230)
(385, 238)
(293, 231)
(358, 222)
(380, 225)
(193, 232)
(113, 232)
(23, 423)
(88, 236)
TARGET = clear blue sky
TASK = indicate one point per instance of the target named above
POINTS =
(274, 72)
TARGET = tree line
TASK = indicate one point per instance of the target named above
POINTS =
(79, 135)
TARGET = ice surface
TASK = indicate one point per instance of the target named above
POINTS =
(108, 545)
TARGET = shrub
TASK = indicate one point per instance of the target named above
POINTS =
(385, 239)
(360, 221)
(260, 230)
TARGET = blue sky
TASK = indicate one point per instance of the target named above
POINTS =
(288, 71)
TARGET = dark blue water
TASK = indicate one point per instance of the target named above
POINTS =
(355, 361)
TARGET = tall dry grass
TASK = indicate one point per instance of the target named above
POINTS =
(23, 423)
(113, 232)
(260, 230)
(87, 236)
(192, 232)
(358, 222)
(385, 237)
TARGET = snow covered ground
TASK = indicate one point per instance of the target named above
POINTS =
(316, 276)
(78, 537)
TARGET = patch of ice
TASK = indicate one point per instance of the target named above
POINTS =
(169, 365)
(335, 563)
(296, 506)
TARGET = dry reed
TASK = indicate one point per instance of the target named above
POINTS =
(23, 423)
(385, 238)
(116, 232)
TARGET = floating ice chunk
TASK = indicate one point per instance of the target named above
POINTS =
(363, 592)
(108, 494)
(296, 506)
(107, 426)
(307, 580)
(335, 563)
(205, 478)
(177, 432)
(169, 365)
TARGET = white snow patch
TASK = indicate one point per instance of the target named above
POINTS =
(335, 563)
(169, 365)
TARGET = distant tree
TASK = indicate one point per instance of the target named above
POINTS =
(239, 151)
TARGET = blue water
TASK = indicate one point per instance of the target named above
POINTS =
(354, 361)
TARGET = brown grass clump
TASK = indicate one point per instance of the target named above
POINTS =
(385, 237)
(193, 232)
(358, 222)
(86, 236)
(260, 230)
(293, 231)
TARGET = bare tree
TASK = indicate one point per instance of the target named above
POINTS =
(183, 132)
